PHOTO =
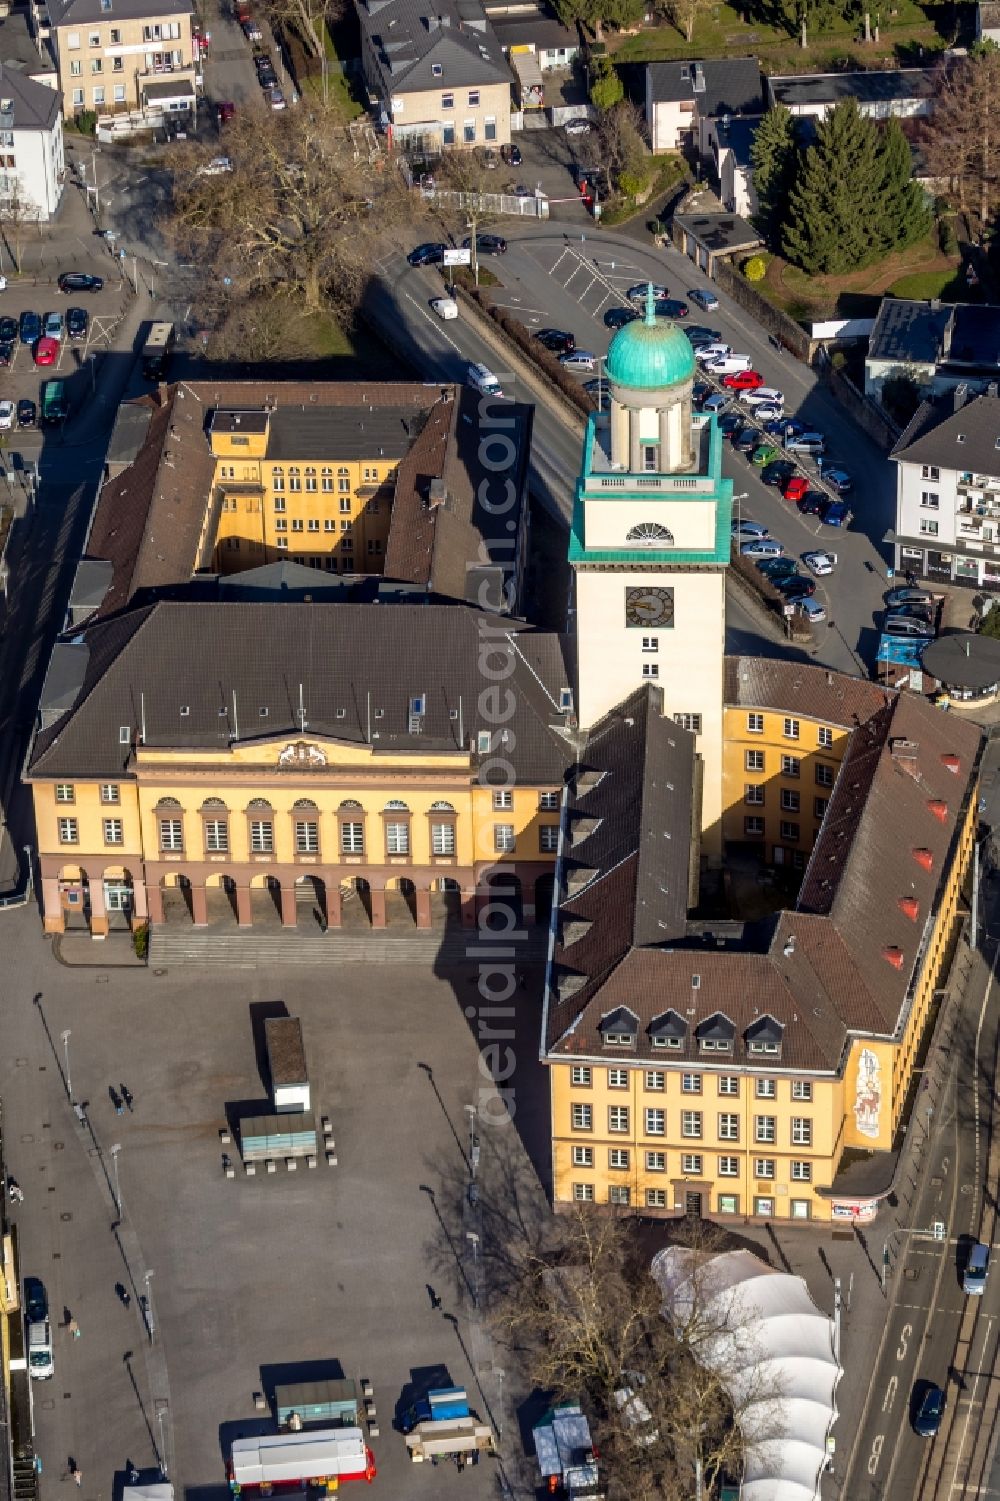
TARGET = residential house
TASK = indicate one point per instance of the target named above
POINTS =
(683, 98)
(437, 73)
(902, 92)
(988, 22)
(730, 140)
(522, 26)
(948, 491)
(936, 345)
(122, 55)
(32, 163)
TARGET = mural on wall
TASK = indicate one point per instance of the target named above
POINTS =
(868, 1094)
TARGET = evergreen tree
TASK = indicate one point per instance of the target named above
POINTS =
(831, 223)
(903, 215)
(774, 155)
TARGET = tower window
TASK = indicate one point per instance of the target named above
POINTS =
(650, 670)
(650, 534)
(650, 643)
(651, 458)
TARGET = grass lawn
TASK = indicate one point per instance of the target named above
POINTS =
(858, 293)
(721, 31)
(947, 284)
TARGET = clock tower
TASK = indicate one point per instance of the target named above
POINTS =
(650, 544)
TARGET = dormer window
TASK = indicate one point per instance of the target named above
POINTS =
(716, 1035)
(620, 1028)
(668, 1031)
(436, 69)
(763, 1037)
(618, 1039)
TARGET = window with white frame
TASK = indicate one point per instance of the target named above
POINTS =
(352, 837)
(824, 775)
(503, 798)
(791, 729)
(618, 1159)
(442, 838)
(729, 1126)
(548, 802)
(754, 760)
(583, 1193)
(691, 1123)
(261, 836)
(583, 1156)
(765, 1089)
(930, 471)
(650, 643)
(397, 838)
(618, 1078)
(729, 1167)
(580, 1075)
(691, 1083)
(790, 766)
(801, 1171)
(765, 1128)
(729, 1084)
(548, 838)
(790, 800)
(692, 1163)
(618, 1118)
(753, 794)
(656, 1122)
(503, 838)
(930, 500)
(802, 1089)
(306, 836)
(651, 669)
(618, 1193)
(171, 835)
(755, 724)
(216, 835)
(824, 737)
(65, 792)
(753, 825)
(690, 722)
(802, 1131)
(113, 831)
(69, 831)
(656, 1162)
(928, 528)
(656, 1198)
(763, 1167)
(582, 1117)
(655, 1079)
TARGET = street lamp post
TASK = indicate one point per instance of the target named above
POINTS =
(66, 1035)
(150, 1322)
(470, 1111)
(500, 1376)
(114, 1150)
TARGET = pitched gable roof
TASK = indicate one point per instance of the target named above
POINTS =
(719, 86)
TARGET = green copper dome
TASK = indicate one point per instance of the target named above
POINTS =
(650, 353)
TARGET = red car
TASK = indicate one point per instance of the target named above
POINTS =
(743, 380)
(795, 488)
(46, 351)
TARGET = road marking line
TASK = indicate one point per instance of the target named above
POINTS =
(434, 322)
(958, 1484)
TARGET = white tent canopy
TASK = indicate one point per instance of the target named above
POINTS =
(775, 1350)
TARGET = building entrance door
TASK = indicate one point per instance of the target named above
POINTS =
(692, 1205)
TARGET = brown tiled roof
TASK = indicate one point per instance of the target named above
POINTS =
(413, 529)
(814, 692)
(842, 962)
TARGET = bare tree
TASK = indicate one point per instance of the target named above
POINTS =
(310, 18)
(17, 214)
(253, 330)
(620, 144)
(296, 213)
(961, 143)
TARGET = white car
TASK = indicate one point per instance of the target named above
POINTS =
(767, 413)
(748, 530)
(709, 352)
(764, 396)
(812, 610)
(729, 364)
(762, 547)
(481, 378)
(445, 307)
(580, 126)
(639, 292)
(7, 414)
(820, 563)
(578, 359)
(217, 165)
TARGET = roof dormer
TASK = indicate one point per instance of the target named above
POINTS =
(619, 1028)
(716, 1035)
(763, 1037)
(668, 1030)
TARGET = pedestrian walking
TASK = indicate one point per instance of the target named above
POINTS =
(73, 1329)
(78, 1477)
(435, 1300)
(115, 1099)
(127, 1096)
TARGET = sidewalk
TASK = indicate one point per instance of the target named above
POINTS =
(80, 951)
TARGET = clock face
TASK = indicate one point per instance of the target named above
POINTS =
(649, 607)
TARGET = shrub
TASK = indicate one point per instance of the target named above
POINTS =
(86, 122)
(947, 238)
(537, 353)
(632, 183)
(140, 940)
(755, 269)
(900, 397)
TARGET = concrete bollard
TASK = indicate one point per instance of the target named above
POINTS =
(251, 1169)
(291, 1164)
(272, 1166)
(311, 1160)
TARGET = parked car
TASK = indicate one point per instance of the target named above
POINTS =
(46, 351)
(487, 244)
(251, 30)
(669, 307)
(617, 317)
(77, 322)
(821, 563)
(812, 610)
(29, 328)
(53, 326)
(8, 330)
(762, 547)
(700, 392)
(730, 364)
(698, 333)
(731, 422)
(27, 413)
(763, 454)
(745, 440)
(715, 403)
(743, 380)
(778, 568)
(909, 596)
(748, 529)
(6, 355)
(80, 281)
(812, 503)
(977, 1269)
(910, 612)
(707, 301)
(835, 513)
(709, 352)
(445, 307)
(41, 1366)
(897, 625)
(225, 110)
(764, 396)
(36, 1302)
(783, 427)
(778, 472)
(511, 155)
(580, 126)
(578, 359)
(807, 442)
(7, 415)
(556, 340)
(639, 292)
(431, 253)
(795, 487)
(839, 480)
(275, 97)
(765, 413)
(795, 587)
(927, 1421)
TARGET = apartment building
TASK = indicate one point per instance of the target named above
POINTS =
(122, 55)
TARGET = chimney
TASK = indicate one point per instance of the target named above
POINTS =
(437, 494)
(960, 396)
(993, 389)
(938, 808)
(893, 955)
(924, 858)
(699, 78)
(951, 762)
(910, 907)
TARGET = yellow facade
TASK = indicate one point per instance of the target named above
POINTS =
(330, 513)
(778, 772)
(105, 65)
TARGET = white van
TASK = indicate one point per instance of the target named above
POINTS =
(40, 1362)
(729, 364)
(481, 378)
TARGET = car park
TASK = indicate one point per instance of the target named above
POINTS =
(640, 291)
(669, 307)
(820, 563)
(445, 307)
(730, 364)
(579, 126)
(511, 155)
(835, 513)
(707, 301)
(839, 480)
(748, 529)
(977, 1269)
(8, 330)
(29, 328)
(930, 1411)
(908, 595)
(796, 587)
(431, 253)
(578, 359)
(778, 472)
(812, 503)
(617, 317)
(745, 440)
(487, 244)
(812, 610)
(80, 281)
(77, 322)
(53, 326)
(808, 442)
(764, 396)
(795, 488)
(894, 625)
(761, 414)
(27, 413)
(763, 454)
(762, 547)
(778, 568)
(482, 379)
(709, 352)
(46, 351)
(7, 415)
(743, 380)
(556, 340)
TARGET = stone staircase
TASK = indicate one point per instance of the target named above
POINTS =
(172, 944)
